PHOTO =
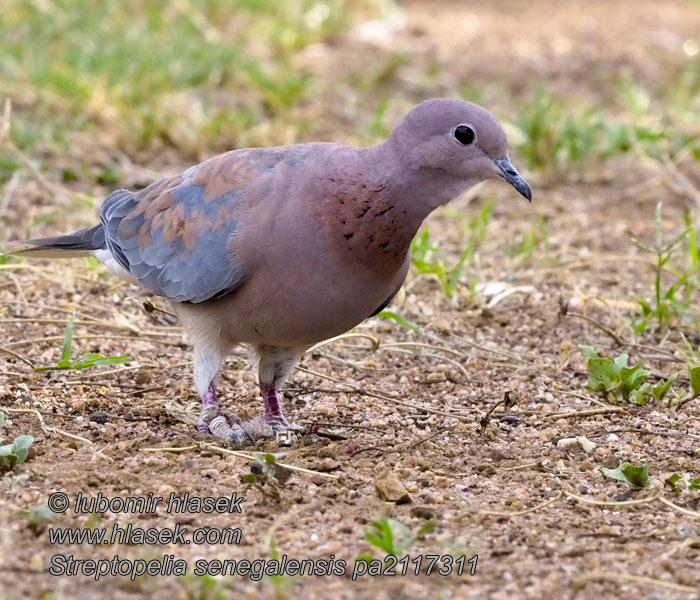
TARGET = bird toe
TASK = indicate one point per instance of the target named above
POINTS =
(229, 430)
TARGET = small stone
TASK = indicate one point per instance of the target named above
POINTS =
(99, 416)
(143, 377)
(421, 511)
(389, 488)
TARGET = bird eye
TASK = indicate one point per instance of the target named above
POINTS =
(464, 134)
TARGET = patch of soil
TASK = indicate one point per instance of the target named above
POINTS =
(477, 475)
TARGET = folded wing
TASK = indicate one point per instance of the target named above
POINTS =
(174, 237)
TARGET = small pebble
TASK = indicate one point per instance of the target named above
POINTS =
(99, 416)
(143, 377)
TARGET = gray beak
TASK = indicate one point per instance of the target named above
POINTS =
(511, 175)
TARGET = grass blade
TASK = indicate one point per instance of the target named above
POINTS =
(67, 341)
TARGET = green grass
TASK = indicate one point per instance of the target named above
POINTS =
(392, 537)
(87, 360)
(560, 134)
(426, 260)
(671, 302)
(153, 73)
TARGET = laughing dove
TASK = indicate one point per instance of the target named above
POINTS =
(280, 248)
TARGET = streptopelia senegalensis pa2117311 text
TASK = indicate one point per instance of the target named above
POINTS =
(280, 248)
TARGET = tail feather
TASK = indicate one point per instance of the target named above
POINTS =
(78, 243)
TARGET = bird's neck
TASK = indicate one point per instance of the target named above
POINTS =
(374, 203)
(418, 191)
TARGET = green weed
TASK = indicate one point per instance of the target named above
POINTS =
(204, 587)
(535, 237)
(638, 477)
(692, 359)
(669, 302)
(616, 381)
(559, 135)
(15, 453)
(422, 252)
(266, 475)
(693, 250)
(87, 360)
(392, 316)
(632, 475)
(37, 518)
(392, 537)
(682, 483)
(281, 584)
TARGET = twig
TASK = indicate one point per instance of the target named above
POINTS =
(46, 428)
(506, 401)
(59, 338)
(158, 388)
(676, 434)
(521, 467)
(430, 437)
(173, 449)
(597, 575)
(523, 512)
(376, 341)
(360, 390)
(422, 345)
(581, 396)
(245, 455)
(685, 511)
(585, 413)
(130, 368)
(26, 361)
(341, 426)
(9, 191)
(149, 307)
(24, 159)
(336, 437)
(648, 500)
(616, 338)
(95, 324)
(684, 402)
(251, 457)
(379, 448)
(452, 361)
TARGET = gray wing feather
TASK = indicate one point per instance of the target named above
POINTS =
(180, 249)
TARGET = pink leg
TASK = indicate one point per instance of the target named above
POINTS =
(273, 410)
(222, 426)
(210, 404)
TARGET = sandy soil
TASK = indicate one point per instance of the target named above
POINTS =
(474, 471)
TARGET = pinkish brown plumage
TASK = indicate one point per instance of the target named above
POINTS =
(280, 248)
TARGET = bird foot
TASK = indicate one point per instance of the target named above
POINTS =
(273, 427)
(231, 428)
(226, 427)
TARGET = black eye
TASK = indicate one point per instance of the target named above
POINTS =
(464, 134)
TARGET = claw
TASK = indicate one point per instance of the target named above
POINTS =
(219, 427)
(233, 429)
(236, 420)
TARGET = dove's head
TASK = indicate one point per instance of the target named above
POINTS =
(457, 140)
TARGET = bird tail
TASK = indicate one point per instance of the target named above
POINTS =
(78, 243)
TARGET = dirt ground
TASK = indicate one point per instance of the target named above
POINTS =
(476, 472)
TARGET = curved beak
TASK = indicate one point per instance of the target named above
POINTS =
(508, 172)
